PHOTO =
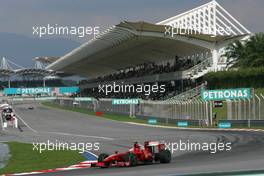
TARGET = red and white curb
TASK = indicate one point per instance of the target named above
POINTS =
(84, 164)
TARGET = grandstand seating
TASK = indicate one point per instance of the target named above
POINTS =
(146, 73)
(32, 83)
(148, 69)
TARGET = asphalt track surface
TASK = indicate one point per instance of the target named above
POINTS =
(43, 123)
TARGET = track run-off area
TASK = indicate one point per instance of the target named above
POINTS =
(44, 124)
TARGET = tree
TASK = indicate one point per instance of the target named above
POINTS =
(249, 53)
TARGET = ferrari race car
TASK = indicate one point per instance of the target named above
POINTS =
(151, 152)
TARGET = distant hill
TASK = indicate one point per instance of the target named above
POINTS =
(22, 49)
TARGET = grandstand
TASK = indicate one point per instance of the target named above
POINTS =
(14, 75)
(141, 52)
(5, 73)
(46, 60)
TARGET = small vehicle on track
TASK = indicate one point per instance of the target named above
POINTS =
(151, 152)
(31, 107)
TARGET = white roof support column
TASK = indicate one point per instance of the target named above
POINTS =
(215, 58)
(4, 64)
(213, 19)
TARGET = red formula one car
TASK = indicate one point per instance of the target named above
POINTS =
(151, 152)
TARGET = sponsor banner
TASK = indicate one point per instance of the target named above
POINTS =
(224, 125)
(45, 98)
(65, 90)
(152, 121)
(182, 124)
(226, 94)
(10, 91)
(29, 91)
(41, 90)
(32, 99)
(124, 101)
(82, 99)
(18, 99)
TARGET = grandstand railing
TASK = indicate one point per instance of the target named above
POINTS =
(145, 79)
(178, 75)
(195, 110)
(199, 68)
(188, 94)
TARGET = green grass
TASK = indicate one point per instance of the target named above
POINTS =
(221, 112)
(117, 117)
(122, 118)
(25, 159)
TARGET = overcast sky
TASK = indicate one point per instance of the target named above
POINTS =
(18, 16)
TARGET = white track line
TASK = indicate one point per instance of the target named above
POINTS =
(65, 134)
(35, 131)
(2, 123)
(80, 135)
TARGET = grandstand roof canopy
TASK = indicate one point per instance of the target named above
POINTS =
(46, 59)
(5, 69)
(6, 72)
(33, 72)
(129, 44)
(208, 27)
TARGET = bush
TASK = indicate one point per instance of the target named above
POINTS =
(248, 77)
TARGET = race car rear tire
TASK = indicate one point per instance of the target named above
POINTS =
(101, 158)
(165, 156)
(132, 160)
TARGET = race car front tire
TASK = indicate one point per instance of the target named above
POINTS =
(132, 160)
(101, 158)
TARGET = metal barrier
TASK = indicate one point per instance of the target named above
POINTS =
(194, 110)
(244, 123)
(248, 109)
(177, 109)
(189, 94)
